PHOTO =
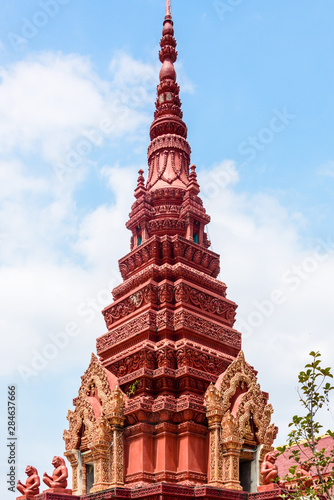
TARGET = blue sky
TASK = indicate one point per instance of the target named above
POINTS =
(77, 92)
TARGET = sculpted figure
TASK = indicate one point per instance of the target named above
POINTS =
(59, 476)
(269, 469)
(32, 483)
(303, 471)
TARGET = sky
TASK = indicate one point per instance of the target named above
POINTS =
(77, 90)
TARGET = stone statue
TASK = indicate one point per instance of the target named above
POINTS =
(269, 469)
(31, 487)
(59, 476)
(304, 477)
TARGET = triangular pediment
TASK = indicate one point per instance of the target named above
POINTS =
(99, 399)
(238, 395)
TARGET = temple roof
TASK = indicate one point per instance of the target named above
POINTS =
(283, 461)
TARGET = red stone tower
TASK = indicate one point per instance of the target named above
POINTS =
(170, 329)
(194, 412)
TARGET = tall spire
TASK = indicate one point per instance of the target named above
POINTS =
(169, 152)
(169, 205)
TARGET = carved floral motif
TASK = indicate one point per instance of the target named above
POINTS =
(199, 360)
(174, 272)
(161, 294)
(166, 358)
(223, 308)
(140, 323)
(142, 359)
(207, 328)
(180, 248)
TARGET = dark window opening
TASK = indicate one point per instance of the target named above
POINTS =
(196, 230)
(139, 236)
(245, 475)
(89, 477)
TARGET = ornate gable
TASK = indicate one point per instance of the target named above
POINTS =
(238, 411)
(95, 429)
(99, 398)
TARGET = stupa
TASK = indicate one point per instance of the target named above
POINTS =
(168, 408)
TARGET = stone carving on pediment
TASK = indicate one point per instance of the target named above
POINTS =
(96, 424)
(95, 377)
(244, 415)
(213, 400)
(270, 435)
(101, 431)
(96, 400)
(113, 408)
(238, 374)
(82, 418)
(251, 406)
(230, 427)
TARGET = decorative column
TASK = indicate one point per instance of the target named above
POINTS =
(231, 443)
(100, 446)
(214, 414)
(117, 454)
(189, 228)
(107, 444)
(74, 457)
(115, 414)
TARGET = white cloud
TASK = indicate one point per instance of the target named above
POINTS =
(102, 232)
(52, 100)
(14, 180)
(126, 72)
(46, 101)
(47, 286)
(183, 80)
(142, 78)
(327, 170)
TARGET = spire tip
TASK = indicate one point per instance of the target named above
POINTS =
(168, 8)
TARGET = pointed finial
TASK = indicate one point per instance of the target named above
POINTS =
(140, 189)
(193, 185)
(141, 178)
(168, 10)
